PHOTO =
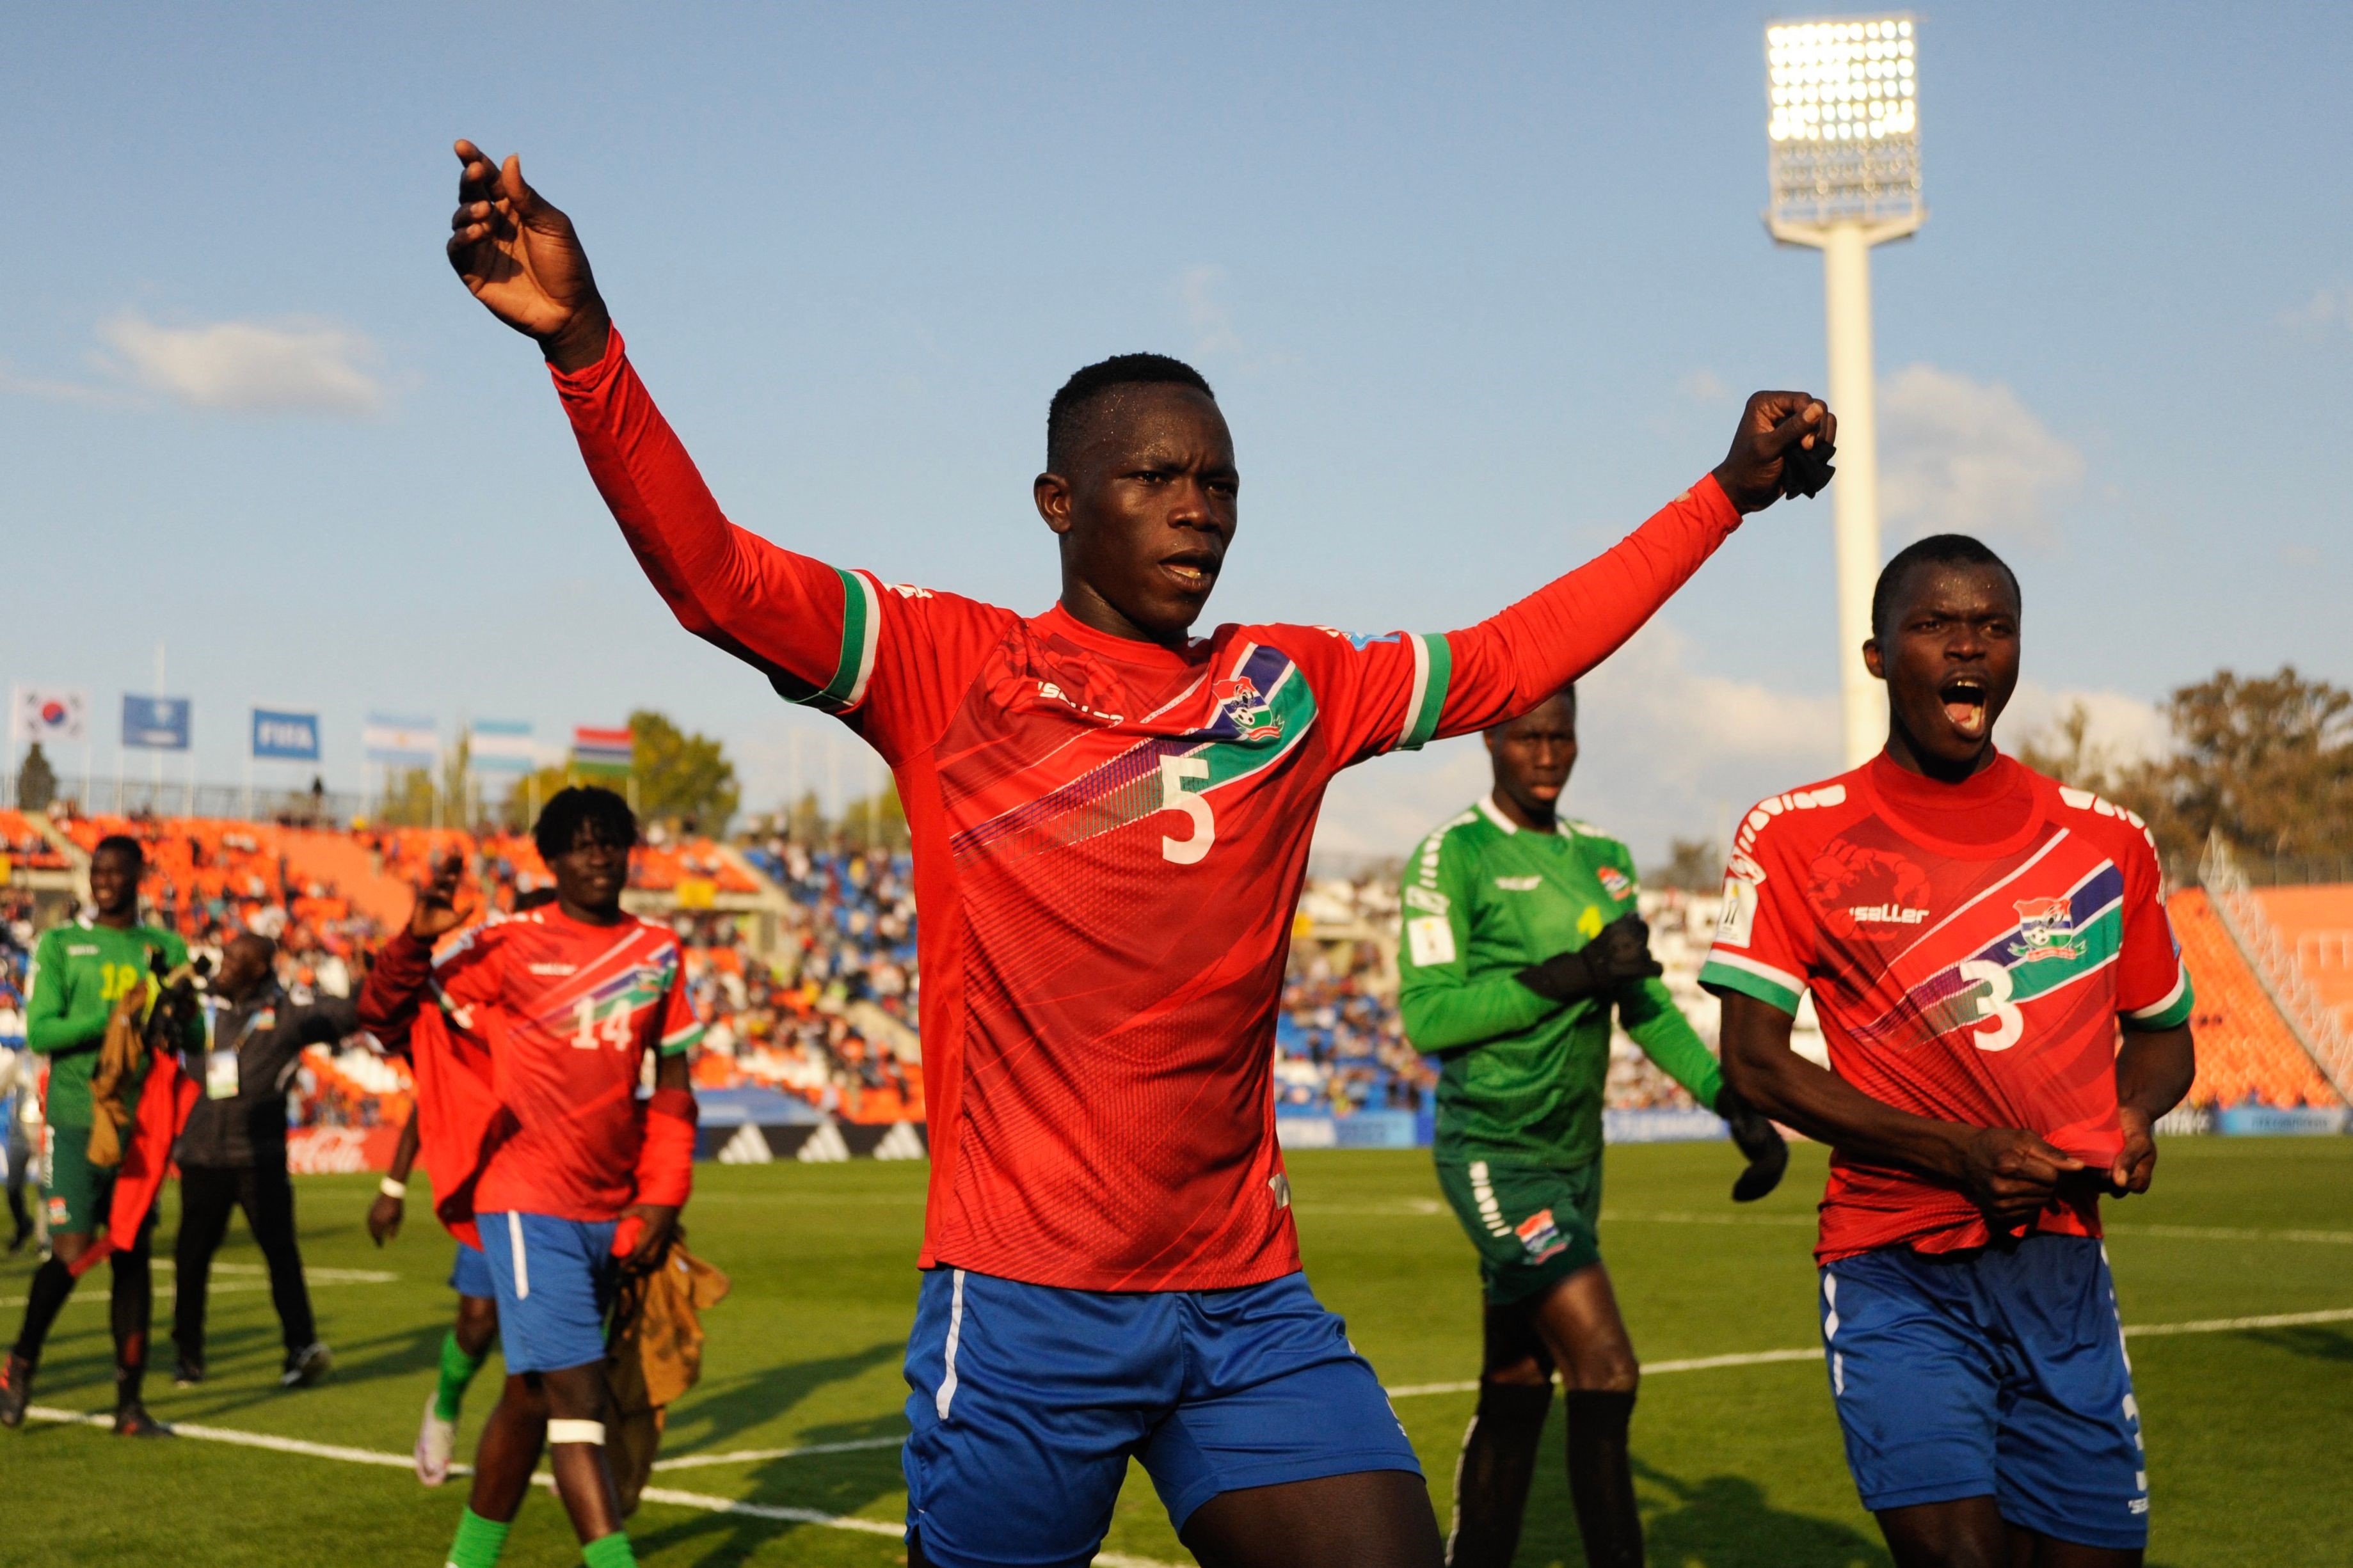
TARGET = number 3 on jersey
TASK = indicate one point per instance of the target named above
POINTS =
(611, 1028)
(1174, 796)
(1995, 1007)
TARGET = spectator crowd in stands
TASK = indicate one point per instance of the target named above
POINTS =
(825, 1009)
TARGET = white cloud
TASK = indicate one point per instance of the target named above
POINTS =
(1669, 751)
(293, 367)
(2126, 729)
(1674, 750)
(2328, 306)
(1959, 455)
(1212, 319)
(1703, 385)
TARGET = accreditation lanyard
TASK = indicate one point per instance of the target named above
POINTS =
(221, 1061)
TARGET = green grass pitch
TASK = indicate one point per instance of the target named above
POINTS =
(1737, 1465)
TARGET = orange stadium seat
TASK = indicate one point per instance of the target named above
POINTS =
(2315, 925)
(2245, 1050)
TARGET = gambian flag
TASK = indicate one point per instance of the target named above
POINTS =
(595, 750)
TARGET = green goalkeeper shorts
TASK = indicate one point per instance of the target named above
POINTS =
(78, 1193)
(1533, 1228)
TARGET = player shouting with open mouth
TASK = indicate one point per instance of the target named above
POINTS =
(1111, 821)
(1973, 934)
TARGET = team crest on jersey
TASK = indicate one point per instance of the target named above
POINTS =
(1246, 709)
(1620, 886)
(2046, 929)
(1540, 1235)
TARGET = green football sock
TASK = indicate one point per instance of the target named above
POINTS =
(457, 1369)
(478, 1541)
(610, 1551)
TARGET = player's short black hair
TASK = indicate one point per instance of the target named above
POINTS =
(1936, 550)
(1568, 692)
(121, 844)
(583, 805)
(1066, 414)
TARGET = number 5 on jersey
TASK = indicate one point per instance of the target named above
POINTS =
(1174, 796)
(611, 1028)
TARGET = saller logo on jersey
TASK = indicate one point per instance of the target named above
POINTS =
(1241, 703)
(2046, 929)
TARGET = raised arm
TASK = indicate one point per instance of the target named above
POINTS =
(397, 980)
(803, 625)
(1513, 660)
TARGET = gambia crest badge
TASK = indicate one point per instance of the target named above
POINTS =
(2046, 929)
(1242, 706)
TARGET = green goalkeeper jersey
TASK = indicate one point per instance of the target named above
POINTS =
(1523, 1079)
(78, 973)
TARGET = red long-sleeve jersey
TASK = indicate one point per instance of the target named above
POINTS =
(1109, 842)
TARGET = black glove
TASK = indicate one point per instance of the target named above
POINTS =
(1619, 954)
(1754, 1132)
(1806, 469)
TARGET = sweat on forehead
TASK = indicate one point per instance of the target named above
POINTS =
(1078, 414)
(1901, 573)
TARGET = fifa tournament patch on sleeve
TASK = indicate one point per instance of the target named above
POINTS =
(1430, 939)
(1738, 924)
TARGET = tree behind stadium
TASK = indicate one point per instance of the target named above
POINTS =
(2266, 761)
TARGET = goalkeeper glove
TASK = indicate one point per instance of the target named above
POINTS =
(1754, 1132)
(1619, 954)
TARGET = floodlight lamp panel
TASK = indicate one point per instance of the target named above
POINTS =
(1843, 119)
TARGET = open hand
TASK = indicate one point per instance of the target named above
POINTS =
(2012, 1175)
(1773, 422)
(436, 913)
(522, 258)
(2137, 1163)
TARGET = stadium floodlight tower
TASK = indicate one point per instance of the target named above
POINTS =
(1846, 176)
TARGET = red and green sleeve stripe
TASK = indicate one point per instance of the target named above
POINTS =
(1433, 670)
(861, 623)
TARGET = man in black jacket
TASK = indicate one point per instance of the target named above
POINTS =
(233, 1154)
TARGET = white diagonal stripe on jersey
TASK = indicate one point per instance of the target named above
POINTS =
(1980, 897)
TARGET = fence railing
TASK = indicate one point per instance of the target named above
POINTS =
(181, 797)
(2310, 1019)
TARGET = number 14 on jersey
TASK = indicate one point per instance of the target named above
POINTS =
(605, 1023)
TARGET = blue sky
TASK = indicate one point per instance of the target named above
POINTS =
(1478, 289)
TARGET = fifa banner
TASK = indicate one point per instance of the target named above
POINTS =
(502, 746)
(47, 713)
(285, 737)
(400, 742)
(595, 750)
(155, 724)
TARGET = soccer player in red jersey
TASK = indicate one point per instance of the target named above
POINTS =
(1111, 821)
(1973, 934)
(541, 1154)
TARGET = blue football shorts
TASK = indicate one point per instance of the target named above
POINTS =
(553, 1280)
(469, 1273)
(1997, 1372)
(1028, 1402)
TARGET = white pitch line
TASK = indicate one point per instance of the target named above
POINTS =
(783, 1513)
(237, 1287)
(705, 1501)
(755, 1456)
(1813, 1352)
